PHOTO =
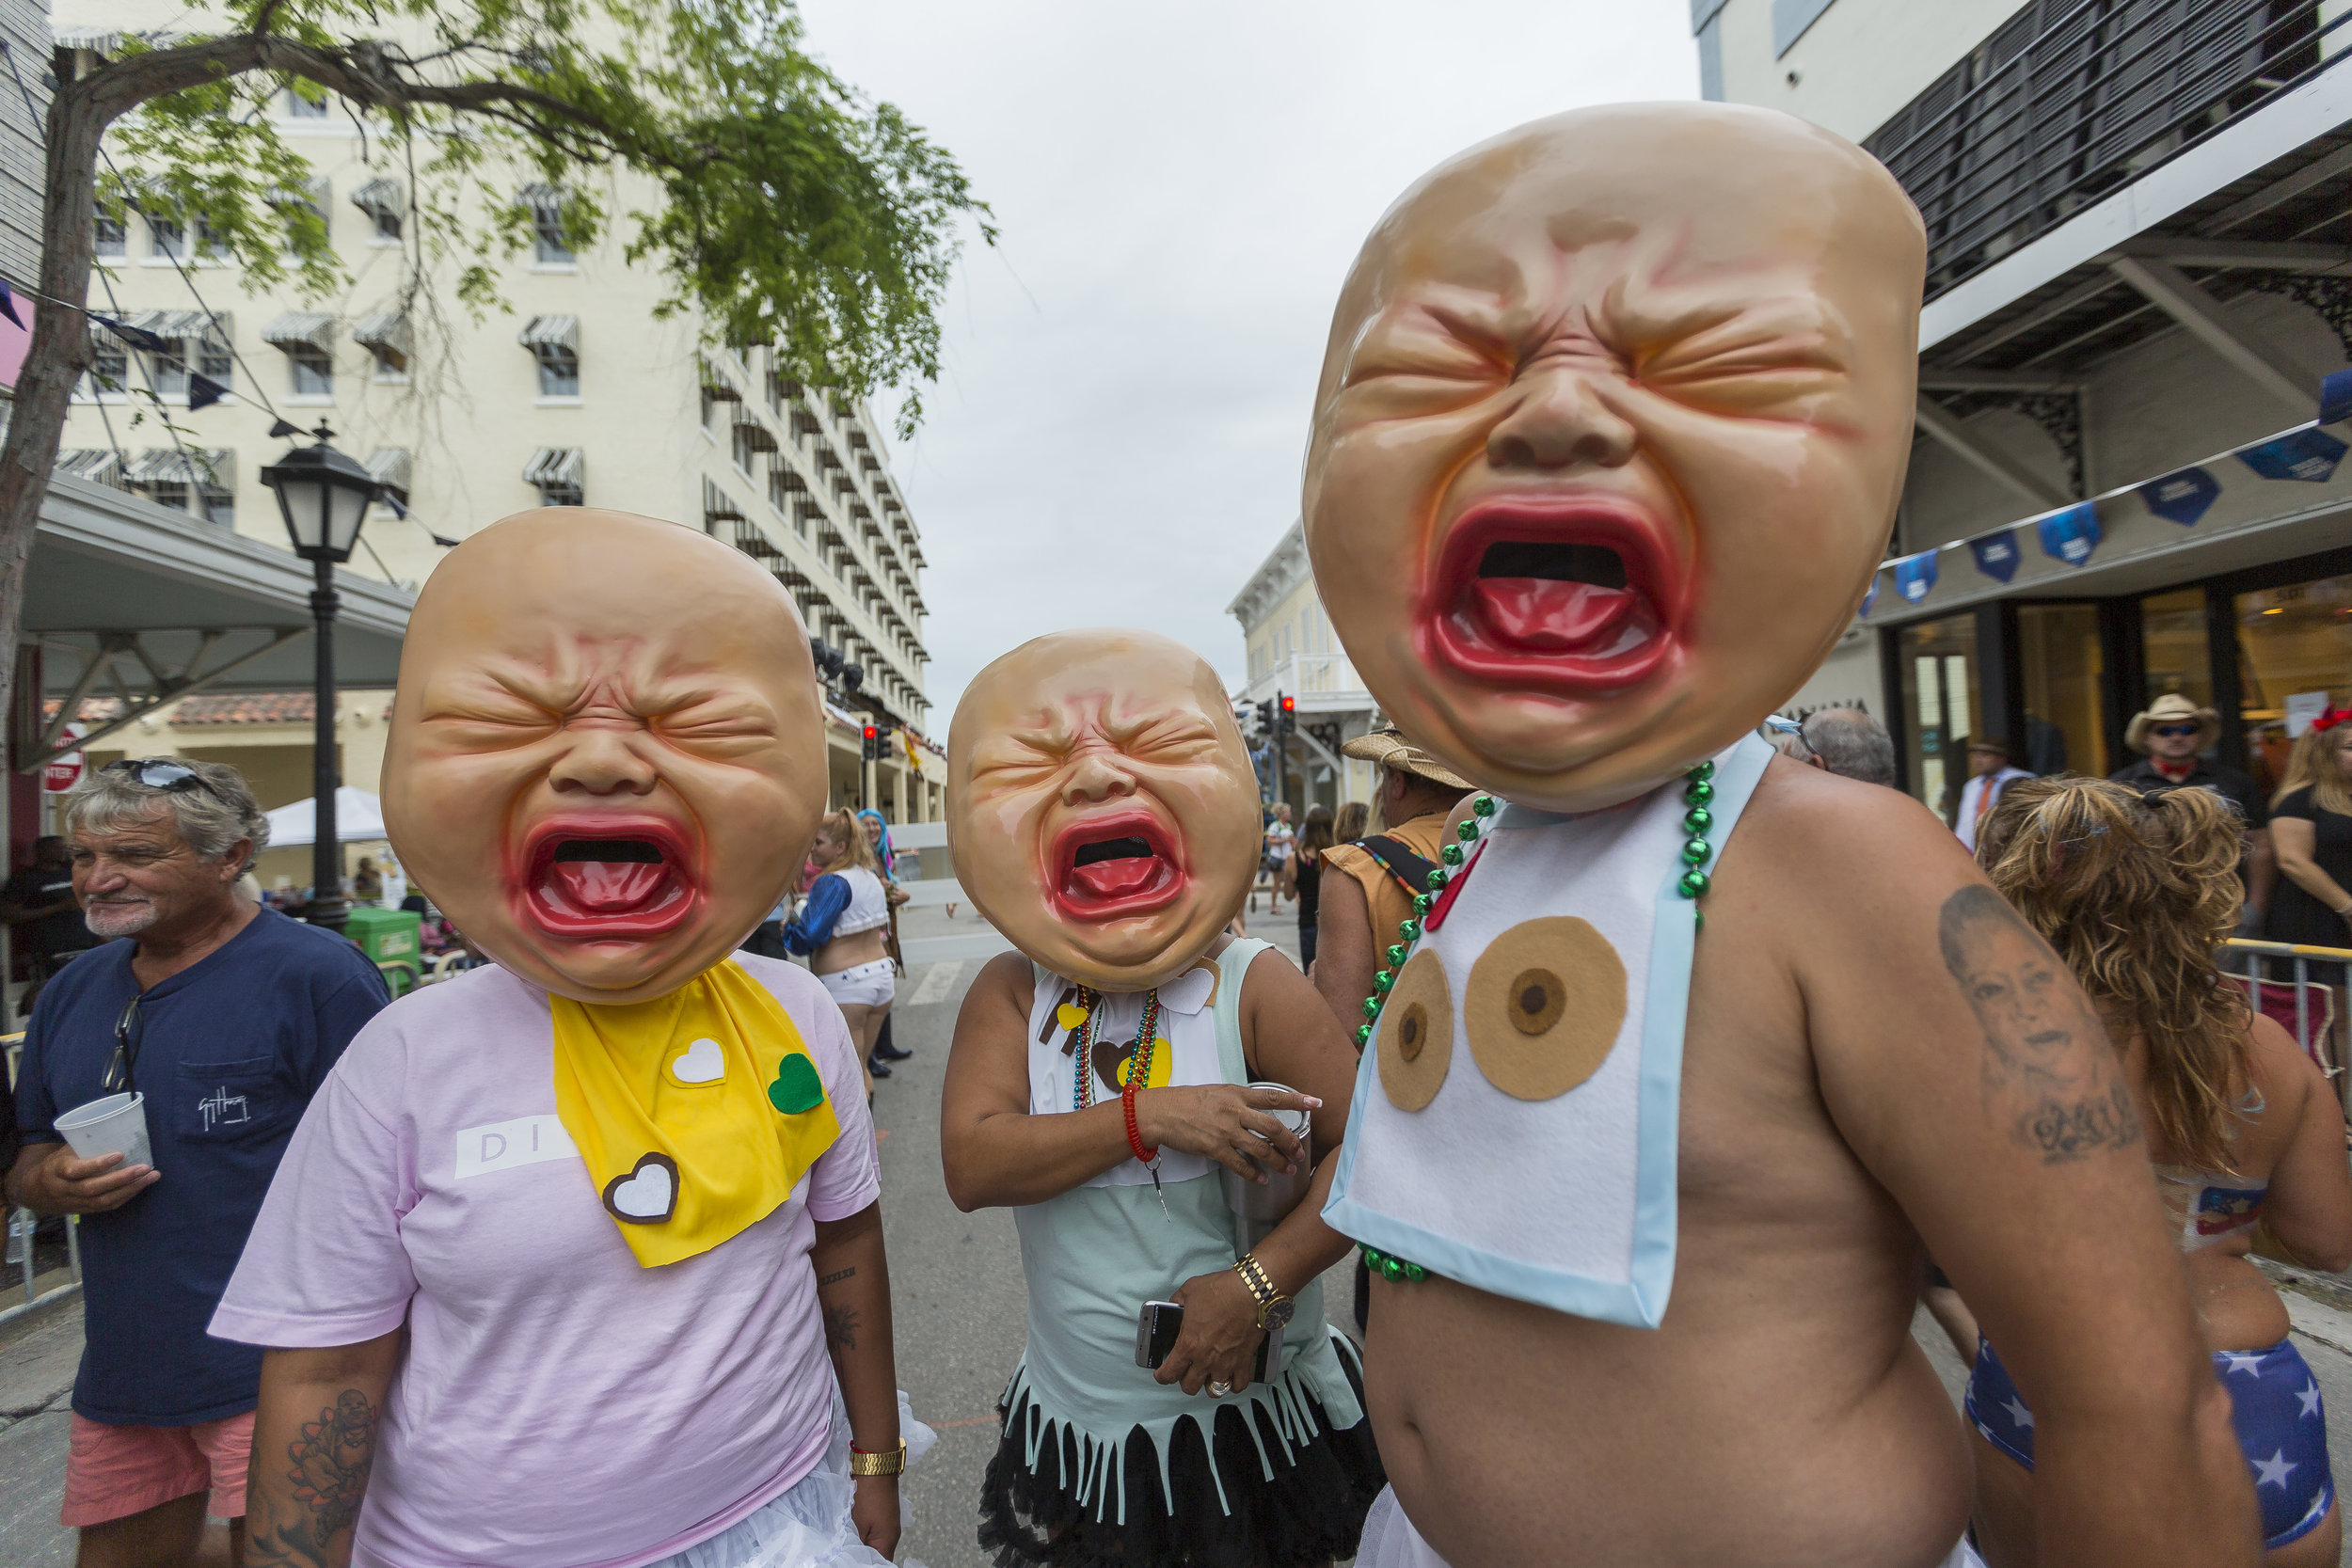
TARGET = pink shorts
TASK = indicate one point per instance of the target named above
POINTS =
(113, 1472)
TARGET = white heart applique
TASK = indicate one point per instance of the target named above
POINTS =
(1189, 992)
(648, 1194)
(704, 1063)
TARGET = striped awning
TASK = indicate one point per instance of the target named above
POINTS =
(540, 196)
(756, 435)
(380, 197)
(390, 467)
(385, 335)
(718, 503)
(96, 464)
(301, 329)
(555, 466)
(552, 332)
(182, 324)
(213, 466)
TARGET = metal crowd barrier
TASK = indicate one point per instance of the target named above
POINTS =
(2311, 1010)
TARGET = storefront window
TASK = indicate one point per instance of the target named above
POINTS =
(2172, 636)
(1938, 661)
(2294, 661)
(2059, 653)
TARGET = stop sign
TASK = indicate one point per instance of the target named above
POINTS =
(63, 773)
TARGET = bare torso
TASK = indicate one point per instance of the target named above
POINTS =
(861, 948)
(1780, 1414)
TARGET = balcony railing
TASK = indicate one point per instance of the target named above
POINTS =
(1319, 681)
(2071, 99)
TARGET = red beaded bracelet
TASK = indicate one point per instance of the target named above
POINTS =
(1134, 1133)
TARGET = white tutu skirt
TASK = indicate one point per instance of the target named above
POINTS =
(809, 1525)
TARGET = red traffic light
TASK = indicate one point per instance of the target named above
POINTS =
(1290, 704)
(871, 732)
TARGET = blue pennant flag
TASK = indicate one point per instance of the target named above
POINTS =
(2070, 535)
(7, 304)
(1996, 554)
(2182, 497)
(2309, 455)
(2335, 398)
(138, 337)
(204, 391)
(1870, 599)
(1915, 574)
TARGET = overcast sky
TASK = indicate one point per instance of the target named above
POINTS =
(1115, 439)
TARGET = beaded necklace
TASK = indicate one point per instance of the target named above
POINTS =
(1698, 820)
(1146, 1055)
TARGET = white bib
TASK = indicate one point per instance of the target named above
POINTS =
(1517, 1115)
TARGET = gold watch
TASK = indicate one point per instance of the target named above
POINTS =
(889, 1463)
(1274, 1309)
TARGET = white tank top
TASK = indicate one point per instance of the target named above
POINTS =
(1516, 1117)
(867, 910)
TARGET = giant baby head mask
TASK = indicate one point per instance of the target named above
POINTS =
(607, 750)
(1101, 807)
(1611, 425)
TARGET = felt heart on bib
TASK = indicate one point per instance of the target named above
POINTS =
(703, 1063)
(648, 1194)
(1070, 1015)
(796, 1088)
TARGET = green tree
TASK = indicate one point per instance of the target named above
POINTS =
(791, 210)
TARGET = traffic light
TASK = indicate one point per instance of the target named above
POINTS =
(1265, 719)
(873, 743)
(1289, 714)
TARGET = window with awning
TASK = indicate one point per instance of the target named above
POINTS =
(560, 475)
(550, 246)
(390, 467)
(554, 342)
(308, 339)
(386, 336)
(384, 202)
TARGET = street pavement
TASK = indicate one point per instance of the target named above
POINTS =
(957, 1293)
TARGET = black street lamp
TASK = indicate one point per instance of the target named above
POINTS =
(323, 496)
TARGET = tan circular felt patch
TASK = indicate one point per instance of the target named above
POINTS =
(1545, 1003)
(1416, 1035)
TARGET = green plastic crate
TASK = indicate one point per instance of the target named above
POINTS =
(393, 941)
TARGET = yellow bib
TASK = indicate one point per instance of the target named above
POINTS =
(697, 1111)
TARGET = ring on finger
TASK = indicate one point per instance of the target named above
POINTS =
(1220, 1388)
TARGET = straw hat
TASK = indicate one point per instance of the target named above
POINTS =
(1388, 747)
(2172, 709)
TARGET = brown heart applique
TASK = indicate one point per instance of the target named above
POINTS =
(1110, 1061)
(647, 1194)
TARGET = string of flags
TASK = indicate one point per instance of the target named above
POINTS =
(2072, 534)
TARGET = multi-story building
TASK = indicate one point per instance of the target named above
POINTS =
(2127, 478)
(1294, 653)
(571, 392)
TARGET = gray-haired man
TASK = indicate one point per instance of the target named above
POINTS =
(226, 1017)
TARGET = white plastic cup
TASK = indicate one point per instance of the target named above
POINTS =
(114, 1125)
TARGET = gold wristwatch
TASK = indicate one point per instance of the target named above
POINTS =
(888, 1464)
(1274, 1309)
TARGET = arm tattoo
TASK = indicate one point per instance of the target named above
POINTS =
(841, 1326)
(2048, 1068)
(835, 1277)
(329, 1465)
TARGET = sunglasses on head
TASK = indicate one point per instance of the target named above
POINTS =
(2172, 731)
(160, 773)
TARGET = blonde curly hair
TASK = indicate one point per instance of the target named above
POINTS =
(2137, 895)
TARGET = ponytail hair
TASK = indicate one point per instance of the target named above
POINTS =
(2137, 895)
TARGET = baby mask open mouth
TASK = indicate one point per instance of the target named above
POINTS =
(1115, 865)
(608, 879)
(1569, 592)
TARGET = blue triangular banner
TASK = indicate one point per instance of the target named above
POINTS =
(2182, 497)
(2070, 535)
(1996, 554)
(2335, 397)
(204, 391)
(138, 337)
(1870, 599)
(7, 304)
(1915, 576)
(2309, 455)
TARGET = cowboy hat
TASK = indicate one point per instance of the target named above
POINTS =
(2173, 708)
(1388, 747)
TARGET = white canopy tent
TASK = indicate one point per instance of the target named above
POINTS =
(358, 819)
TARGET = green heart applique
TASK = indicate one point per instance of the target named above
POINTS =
(796, 1088)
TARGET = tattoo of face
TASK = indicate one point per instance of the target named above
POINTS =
(2048, 1068)
(332, 1460)
(841, 1326)
(835, 1277)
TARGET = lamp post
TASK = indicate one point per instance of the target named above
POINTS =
(323, 496)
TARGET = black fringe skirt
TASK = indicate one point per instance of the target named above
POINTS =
(1309, 1514)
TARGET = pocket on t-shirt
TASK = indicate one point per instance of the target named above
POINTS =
(227, 1101)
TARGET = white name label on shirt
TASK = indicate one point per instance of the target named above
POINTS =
(505, 1145)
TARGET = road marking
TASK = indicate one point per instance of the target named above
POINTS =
(938, 981)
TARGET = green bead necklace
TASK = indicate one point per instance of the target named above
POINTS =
(1698, 820)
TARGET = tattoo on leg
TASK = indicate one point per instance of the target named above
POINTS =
(835, 1277)
(841, 1326)
(2048, 1067)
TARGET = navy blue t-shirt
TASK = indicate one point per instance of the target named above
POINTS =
(229, 1051)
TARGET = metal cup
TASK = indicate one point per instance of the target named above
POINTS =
(1262, 1206)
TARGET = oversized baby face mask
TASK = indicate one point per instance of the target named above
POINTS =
(606, 751)
(1101, 808)
(1612, 426)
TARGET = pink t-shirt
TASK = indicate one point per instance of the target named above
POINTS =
(558, 1405)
